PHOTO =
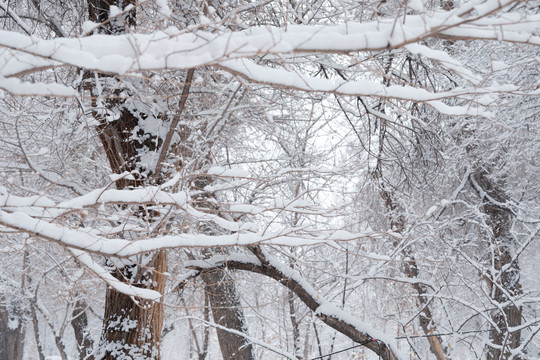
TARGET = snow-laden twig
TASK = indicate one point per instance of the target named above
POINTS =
(79, 239)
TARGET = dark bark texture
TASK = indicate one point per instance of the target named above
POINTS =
(227, 311)
(133, 330)
(220, 288)
(12, 332)
(137, 327)
(131, 327)
(79, 322)
(504, 279)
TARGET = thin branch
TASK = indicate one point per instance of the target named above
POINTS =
(174, 123)
(15, 18)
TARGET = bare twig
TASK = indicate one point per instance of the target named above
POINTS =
(174, 123)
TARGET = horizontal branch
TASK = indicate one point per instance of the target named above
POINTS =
(75, 238)
(125, 288)
(181, 49)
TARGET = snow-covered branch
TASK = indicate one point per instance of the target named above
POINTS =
(263, 263)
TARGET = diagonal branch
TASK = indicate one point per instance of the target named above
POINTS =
(15, 18)
(327, 312)
(174, 123)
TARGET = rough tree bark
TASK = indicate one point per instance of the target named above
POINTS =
(227, 311)
(123, 153)
(133, 330)
(12, 332)
(221, 290)
(131, 327)
(79, 322)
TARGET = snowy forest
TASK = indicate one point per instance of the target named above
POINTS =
(269, 179)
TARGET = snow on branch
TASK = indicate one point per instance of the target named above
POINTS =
(264, 264)
(176, 49)
(45, 208)
(23, 88)
(293, 80)
(122, 287)
(79, 239)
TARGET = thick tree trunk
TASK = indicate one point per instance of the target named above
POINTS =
(133, 330)
(221, 291)
(504, 279)
(131, 327)
(12, 332)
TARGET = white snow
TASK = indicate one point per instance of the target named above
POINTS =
(17, 87)
(13, 323)
(78, 239)
(164, 8)
(232, 51)
(118, 285)
(245, 209)
(228, 172)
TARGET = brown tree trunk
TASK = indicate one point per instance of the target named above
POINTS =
(132, 330)
(227, 311)
(504, 281)
(220, 287)
(221, 291)
(79, 322)
(131, 327)
(135, 329)
(12, 332)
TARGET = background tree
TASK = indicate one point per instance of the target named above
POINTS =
(363, 156)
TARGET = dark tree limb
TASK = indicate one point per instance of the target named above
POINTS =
(79, 322)
(11, 337)
(291, 280)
